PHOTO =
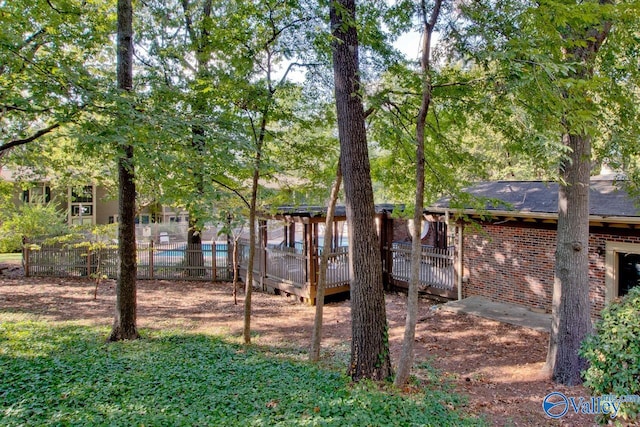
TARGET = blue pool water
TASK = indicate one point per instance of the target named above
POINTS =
(221, 250)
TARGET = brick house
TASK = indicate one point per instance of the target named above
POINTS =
(508, 250)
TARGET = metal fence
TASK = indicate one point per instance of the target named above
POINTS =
(208, 261)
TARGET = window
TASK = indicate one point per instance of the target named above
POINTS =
(146, 218)
(143, 219)
(39, 194)
(81, 207)
(81, 210)
(622, 262)
(628, 272)
(83, 195)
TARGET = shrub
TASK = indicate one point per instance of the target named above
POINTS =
(614, 353)
(30, 220)
(6, 197)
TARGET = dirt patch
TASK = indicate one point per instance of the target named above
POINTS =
(497, 366)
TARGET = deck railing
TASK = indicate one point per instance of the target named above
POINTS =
(290, 265)
(286, 264)
(436, 266)
(338, 268)
(243, 257)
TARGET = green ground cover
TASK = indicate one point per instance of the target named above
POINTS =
(61, 373)
(13, 257)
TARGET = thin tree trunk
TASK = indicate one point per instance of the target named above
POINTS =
(406, 356)
(234, 261)
(246, 330)
(124, 325)
(370, 341)
(316, 338)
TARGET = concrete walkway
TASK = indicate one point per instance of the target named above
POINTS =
(502, 312)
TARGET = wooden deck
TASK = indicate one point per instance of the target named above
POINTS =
(286, 270)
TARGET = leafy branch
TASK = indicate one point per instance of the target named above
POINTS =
(33, 137)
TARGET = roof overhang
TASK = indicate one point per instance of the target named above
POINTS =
(534, 217)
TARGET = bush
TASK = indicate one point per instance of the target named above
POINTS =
(6, 197)
(614, 353)
(30, 220)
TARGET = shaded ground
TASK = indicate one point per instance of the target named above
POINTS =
(497, 366)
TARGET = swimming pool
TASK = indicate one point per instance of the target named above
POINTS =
(181, 249)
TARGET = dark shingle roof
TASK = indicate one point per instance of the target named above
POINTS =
(607, 197)
(320, 211)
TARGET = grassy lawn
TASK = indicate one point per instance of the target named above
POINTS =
(11, 257)
(56, 373)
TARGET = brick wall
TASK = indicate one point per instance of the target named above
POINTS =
(514, 262)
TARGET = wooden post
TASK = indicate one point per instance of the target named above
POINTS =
(230, 248)
(230, 243)
(459, 260)
(386, 240)
(292, 235)
(25, 256)
(262, 227)
(313, 263)
(151, 268)
(89, 272)
(214, 260)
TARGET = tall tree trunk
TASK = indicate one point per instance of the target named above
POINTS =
(571, 319)
(199, 36)
(406, 356)
(316, 337)
(195, 256)
(124, 325)
(370, 342)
